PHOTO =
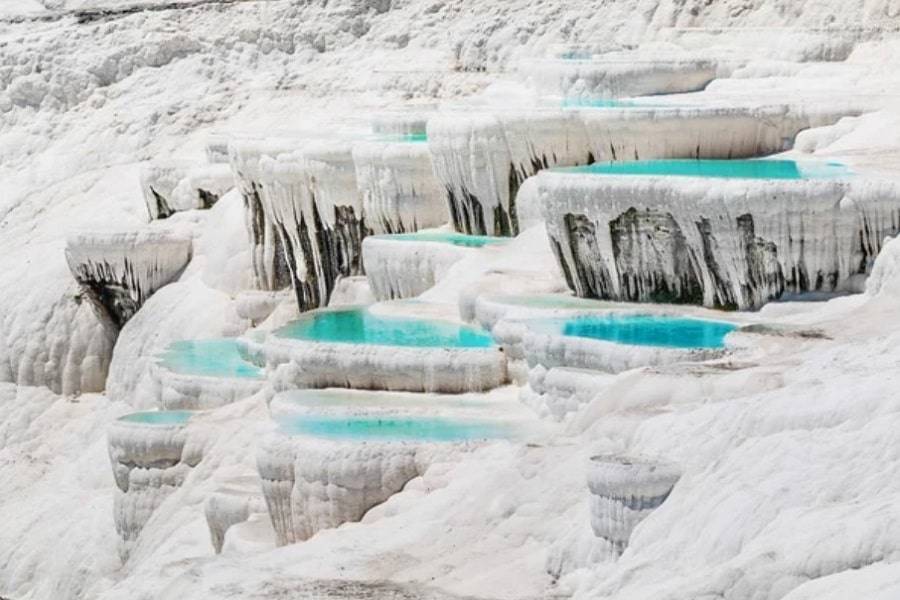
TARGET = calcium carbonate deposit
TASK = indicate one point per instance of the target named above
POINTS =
(449, 299)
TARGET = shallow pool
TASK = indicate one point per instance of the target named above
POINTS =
(404, 138)
(344, 400)
(359, 326)
(446, 237)
(724, 169)
(159, 417)
(427, 429)
(211, 358)
(641, 330)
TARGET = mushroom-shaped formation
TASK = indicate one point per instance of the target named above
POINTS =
(624, 491)
(405, 265)
(118, 271)
(150, 456)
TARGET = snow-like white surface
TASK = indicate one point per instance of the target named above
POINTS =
(789, 485)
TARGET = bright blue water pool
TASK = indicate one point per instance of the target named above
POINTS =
(428, 429)
(359, 326)
(598, 103)
(447, 237)
(642, 330)
(211, 358)
(159, 417)
(343, 400)
(729, 169)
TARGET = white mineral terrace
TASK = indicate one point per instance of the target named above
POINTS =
(376, 365)
(118, 271)
(446, 300)
(738, 243)
(483, 158)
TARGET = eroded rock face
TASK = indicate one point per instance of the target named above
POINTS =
(312, 484)
(736, 245)
(119, 271)
(149, 462)
(624, 491)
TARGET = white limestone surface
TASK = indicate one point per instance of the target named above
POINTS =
(118, 271)
(737, 244)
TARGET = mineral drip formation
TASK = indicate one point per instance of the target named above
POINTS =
(267, 257)
(119, 271)
(311, 198)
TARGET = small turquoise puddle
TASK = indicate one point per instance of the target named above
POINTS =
(426, 429)
(211, 358)
(447, 237)
(727, 169)
(641, 330)
(159, 417)
(359, 326)
(599, 103)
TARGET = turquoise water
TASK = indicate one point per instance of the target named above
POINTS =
(212, 358)
(447, 237)
(733, 169)
(642, 330)
(159, 417)
(359, 326)
(598, 103)
(432, 429)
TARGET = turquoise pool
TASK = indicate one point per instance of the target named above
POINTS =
(211, 358)
(641, 330)
(359, 326)
(343, 400)
(159, 417)
(714, 168)
(447, 237)
(426, 429)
